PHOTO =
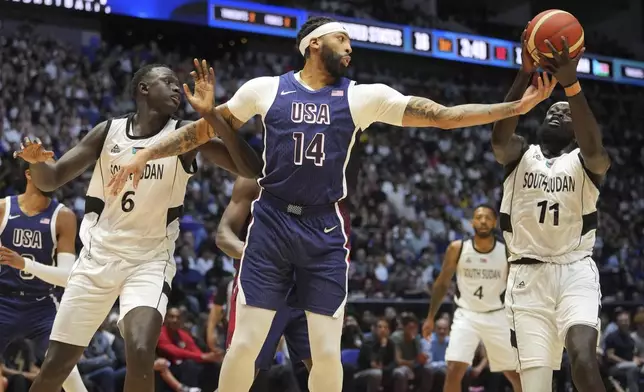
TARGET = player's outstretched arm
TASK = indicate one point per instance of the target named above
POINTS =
(423, 112)
(234, 217)
(584, 124)
(442, 283)
(215, 152)
(507, 146)
(48, 175)
(66, 227)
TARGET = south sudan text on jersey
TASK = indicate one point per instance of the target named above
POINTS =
(536, 180)
(482, 273)
(153, 171)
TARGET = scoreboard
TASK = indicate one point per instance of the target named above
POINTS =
(286, 22)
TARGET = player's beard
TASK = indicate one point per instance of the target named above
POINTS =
(333, 62)
(483, 234)
(554, 138)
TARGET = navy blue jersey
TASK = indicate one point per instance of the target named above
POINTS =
(310, 143)
(32, 237)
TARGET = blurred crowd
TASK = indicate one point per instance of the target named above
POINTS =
(415, 194)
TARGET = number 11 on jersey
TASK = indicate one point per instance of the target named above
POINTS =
(314, 151)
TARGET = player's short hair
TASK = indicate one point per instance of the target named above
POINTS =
(489, 207)
(141, 74)
(308, 26)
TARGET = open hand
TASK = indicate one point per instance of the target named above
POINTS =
(536, 94)
(11, 258)
(133, 170)
(203, 99)
(33, 151)
(528, 65)
(561, 65)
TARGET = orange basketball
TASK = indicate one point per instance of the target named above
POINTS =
(552, 25)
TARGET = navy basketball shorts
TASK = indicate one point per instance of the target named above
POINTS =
(288, 322)
(27, 317)
(305, 246)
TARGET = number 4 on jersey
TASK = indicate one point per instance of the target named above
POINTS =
(479, 292)
(314, 151)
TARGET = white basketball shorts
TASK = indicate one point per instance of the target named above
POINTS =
(470, 328)
(543, 301)
(93, 287)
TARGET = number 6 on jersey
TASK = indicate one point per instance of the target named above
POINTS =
(314, 151)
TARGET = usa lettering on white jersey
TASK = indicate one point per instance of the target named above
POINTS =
(548, 211)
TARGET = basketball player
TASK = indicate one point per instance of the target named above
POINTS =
(288, 321)
(481, 269)
(549, 218)
(37, 252)
(128, 239)
(313, 120)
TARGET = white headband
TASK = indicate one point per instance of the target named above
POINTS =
(327, 28)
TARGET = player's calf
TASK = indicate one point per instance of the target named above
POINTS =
(142, 327)
(454, 376)
(581, 343)
(58, 364)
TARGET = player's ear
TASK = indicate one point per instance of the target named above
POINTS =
(143, 88)
(28, 174)
(315, 43)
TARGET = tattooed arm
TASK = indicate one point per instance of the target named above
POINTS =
(198, 135)
(423, 112)
(381, 103)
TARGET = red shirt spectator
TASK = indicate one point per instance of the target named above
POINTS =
(176, 344)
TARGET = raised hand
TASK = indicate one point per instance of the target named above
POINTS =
(33, 151)
(536, 94)
(134, 169)
(528, 65)
(561, 65)
(203, 98)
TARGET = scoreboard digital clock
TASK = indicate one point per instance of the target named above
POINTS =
(473, 49)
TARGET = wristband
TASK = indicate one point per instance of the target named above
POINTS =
(573, 89)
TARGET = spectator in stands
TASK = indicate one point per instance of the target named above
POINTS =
(188, 363)
(351, 333)
(436, 347)
(98, 363)
(162, 368)
(410, 359)
(638, 334)
(377, 359)
(19, 365)
(620, 352)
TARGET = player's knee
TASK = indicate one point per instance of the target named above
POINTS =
(60, 360)
(140, 354)
(581, 344)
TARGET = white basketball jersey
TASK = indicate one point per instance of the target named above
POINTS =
(137, 225)
(548, 211)
(481, 278)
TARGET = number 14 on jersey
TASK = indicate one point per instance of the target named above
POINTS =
(313, 152)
